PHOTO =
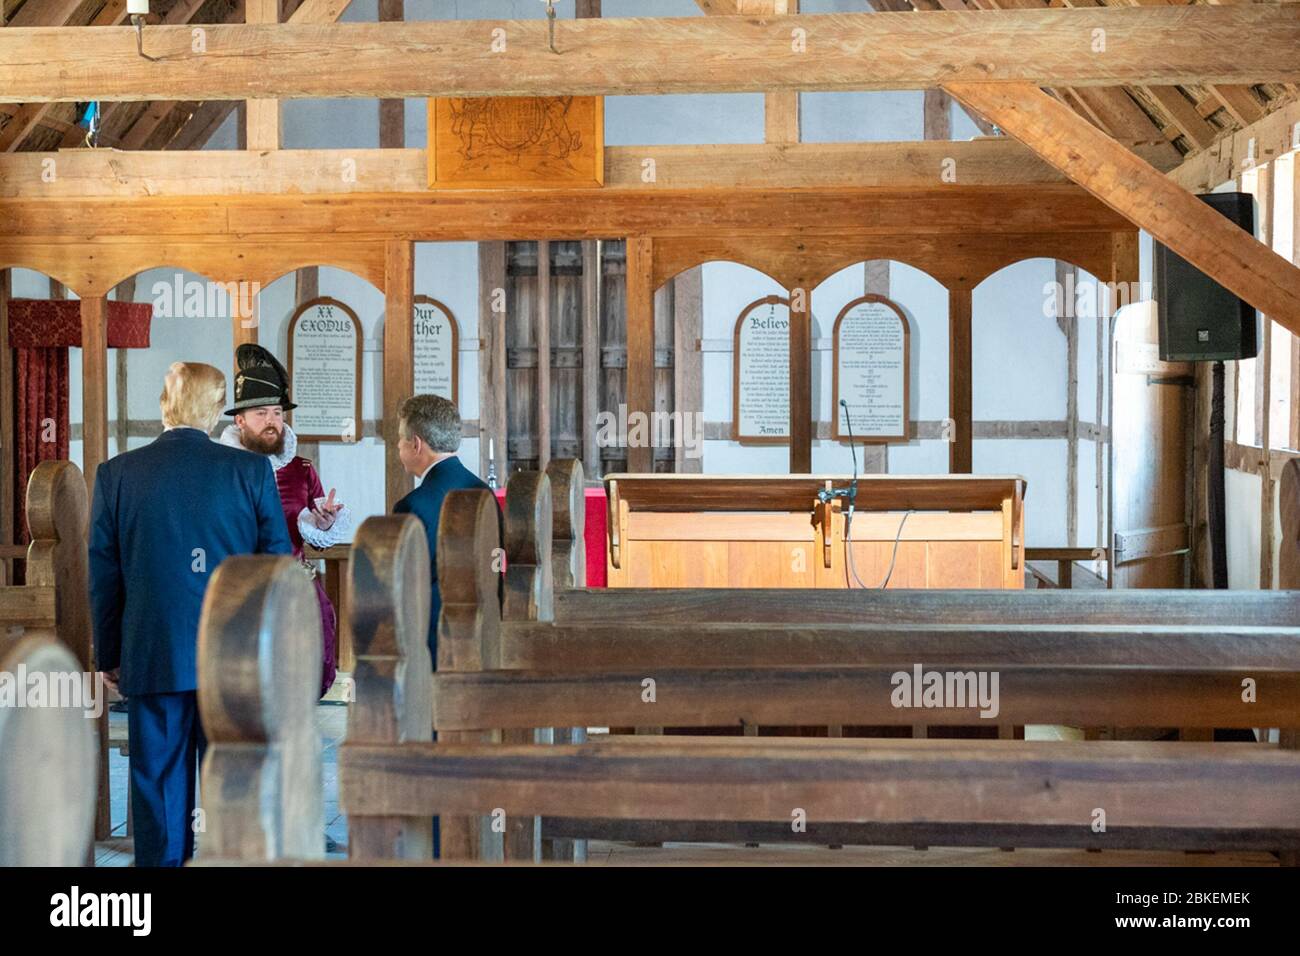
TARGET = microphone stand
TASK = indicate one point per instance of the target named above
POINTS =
(827, 495)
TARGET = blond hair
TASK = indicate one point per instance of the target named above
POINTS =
(192, 396)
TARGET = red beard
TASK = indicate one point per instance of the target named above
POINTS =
(268, 442)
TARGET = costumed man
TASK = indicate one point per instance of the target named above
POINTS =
(164, 517)
(261, 399)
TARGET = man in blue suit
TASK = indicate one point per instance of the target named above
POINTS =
(164, 517)
(428, 438)
(429, 430)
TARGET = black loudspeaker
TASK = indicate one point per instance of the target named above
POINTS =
(1200, 320)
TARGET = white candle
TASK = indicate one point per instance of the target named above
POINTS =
(137, 6)
(491, 450)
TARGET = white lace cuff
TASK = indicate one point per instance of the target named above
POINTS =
(338, 532)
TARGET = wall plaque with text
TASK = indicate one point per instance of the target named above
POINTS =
(760, 361)
(325, 366)
(870, 370)
(437, 344)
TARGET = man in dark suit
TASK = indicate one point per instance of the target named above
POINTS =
(428, 438)
(164, 517)
(429, 430)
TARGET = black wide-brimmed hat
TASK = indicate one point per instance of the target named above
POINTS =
(260, 380)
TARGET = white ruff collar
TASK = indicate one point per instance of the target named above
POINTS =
(230, 436)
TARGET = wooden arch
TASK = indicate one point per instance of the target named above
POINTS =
(95, 269)
(954, 261)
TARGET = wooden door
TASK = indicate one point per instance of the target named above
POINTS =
(575, 394)
(1150, 468)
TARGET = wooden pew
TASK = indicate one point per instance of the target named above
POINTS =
(52, 758)
(259, 676)
(545, 657)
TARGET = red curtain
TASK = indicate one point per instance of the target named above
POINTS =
(41, 432)
(41, 331)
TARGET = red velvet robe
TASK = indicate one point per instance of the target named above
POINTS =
(300, 486)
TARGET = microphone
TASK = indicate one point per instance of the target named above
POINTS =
(851, 492)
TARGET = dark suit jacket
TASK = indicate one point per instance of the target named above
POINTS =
(425, 502)
(154, 508)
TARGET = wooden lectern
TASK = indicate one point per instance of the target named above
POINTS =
(756, 531)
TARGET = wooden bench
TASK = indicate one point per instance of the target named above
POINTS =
(551, 656)
(51, 757)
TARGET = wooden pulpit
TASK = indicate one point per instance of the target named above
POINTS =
(758, 531)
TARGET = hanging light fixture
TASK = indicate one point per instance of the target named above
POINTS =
(137, 10)
(550, 24)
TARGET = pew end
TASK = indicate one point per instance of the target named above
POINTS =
(260, 663)
(389, 598)
(49, 758)
(53, 759)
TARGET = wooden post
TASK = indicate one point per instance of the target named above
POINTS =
(392, 113)
(1066, 320)
(125, 293)
(388, 599)
(543, 343)
(492, 357)
(960, 452)
(1263, 388)
(244, 327)
(94, 386)
(306, 286)
(592, 277)
(640, 347)
(263, 116)
(399, 358)
(801, 414)
(1124, 273)
(688, 365)
(781, 114)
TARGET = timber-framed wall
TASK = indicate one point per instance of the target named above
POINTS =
(957, 234)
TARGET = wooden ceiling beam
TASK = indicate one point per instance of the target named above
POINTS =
(1219, 248)
(1045, 47)
(944, 213)
(995, 161)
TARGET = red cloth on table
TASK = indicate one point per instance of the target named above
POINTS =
(593, 535)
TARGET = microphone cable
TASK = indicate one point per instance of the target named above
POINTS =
(848, 549)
